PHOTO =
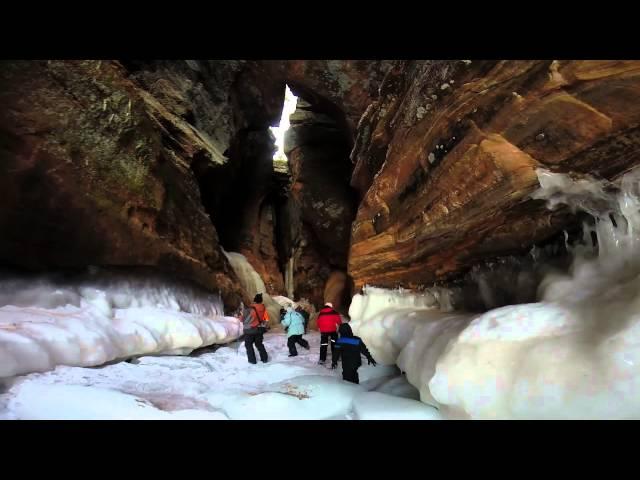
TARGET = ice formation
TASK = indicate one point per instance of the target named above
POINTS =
(214, 385)
(573, 355)
(301, 398)
(408, 329)
(73, 402)
(380, 406)
(284, 301)
(252, 283)
(100, 318)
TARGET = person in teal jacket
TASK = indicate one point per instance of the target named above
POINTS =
(294, 325)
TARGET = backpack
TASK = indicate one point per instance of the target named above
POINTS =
(247, 319)
(305, 317)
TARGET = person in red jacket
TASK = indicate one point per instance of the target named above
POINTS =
(328, 321)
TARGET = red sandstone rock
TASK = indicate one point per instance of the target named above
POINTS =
(451, 153)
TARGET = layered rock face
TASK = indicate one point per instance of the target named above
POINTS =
(98, 170)
(332, 97)
(318, 153)
(241, 198)
(160, 163)
(317, 146)
(346, 87)
(401, 173)
(445, 159)
(236, 101)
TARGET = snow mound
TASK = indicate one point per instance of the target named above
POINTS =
(73, 402)
(380, 406)
(284, 301)
(213, 385)
(545, 365)
(367, 373)
(312, 397)
(398, 387)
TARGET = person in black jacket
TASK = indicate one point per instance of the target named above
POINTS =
(305, 315)
(349, 348)
(282, 313)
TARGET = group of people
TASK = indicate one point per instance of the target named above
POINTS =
(345, 346)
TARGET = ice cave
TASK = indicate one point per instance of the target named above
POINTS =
(396, 239)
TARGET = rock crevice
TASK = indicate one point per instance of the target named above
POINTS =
(400, 172)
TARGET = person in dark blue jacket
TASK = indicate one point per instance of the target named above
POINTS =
(349, 348)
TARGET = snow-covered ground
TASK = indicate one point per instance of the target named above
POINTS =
(60, 339)
(215, 385)
(573, 355)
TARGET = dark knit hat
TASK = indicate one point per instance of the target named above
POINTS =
(345, 330)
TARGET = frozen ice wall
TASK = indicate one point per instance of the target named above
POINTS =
(386, 319)
(573, 355)
(408, 329)
(93, 319)
(252, 283)
(249, 279)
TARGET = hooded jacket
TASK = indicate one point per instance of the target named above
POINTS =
(350, 347)
(294, 323)
(328, 320)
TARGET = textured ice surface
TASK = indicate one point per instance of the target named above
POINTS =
(44, 324)
(573, 355)
(252, 283)
(215, 385)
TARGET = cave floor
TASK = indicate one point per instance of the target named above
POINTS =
(215, 385)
